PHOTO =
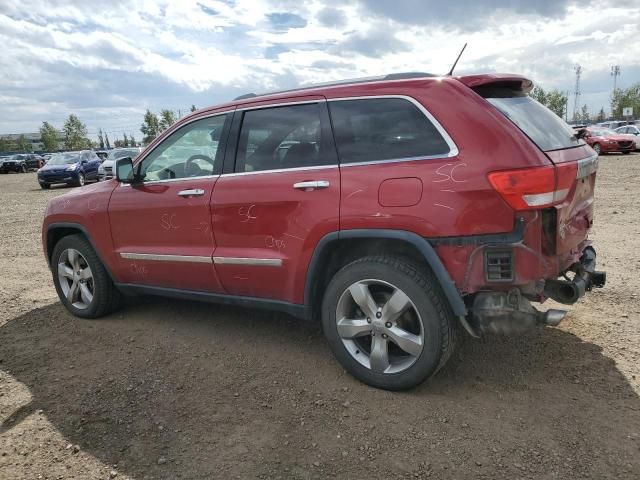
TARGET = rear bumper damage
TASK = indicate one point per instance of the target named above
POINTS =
(510, 313)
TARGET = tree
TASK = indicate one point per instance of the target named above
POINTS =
(106, 142)
(629, 97)
(49, 137)
(584, 114)
(75, 134)
(556, 101)
(117, 143)
(167, 118)
(539, 94)
(23, 144)
(151, 126)
(601, 115)
(132, 141)
(5, 144)
(101, 139)
(125, 140)
(193, 108)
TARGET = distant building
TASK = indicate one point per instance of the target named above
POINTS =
(33, 138)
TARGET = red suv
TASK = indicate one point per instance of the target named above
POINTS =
(394, 210)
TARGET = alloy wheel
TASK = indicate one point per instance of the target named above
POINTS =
(380, 326)
(75, 278)
(80, 179)
(596, 147)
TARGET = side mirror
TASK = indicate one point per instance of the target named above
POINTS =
(582, 133)
(124, 170)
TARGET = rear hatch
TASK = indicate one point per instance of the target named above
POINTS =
(568, 208)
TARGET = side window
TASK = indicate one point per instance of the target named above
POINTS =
(383, 129)
(282, 137)
(191, 151)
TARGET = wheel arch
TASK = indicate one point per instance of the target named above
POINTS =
(337, 249)
(57, 231)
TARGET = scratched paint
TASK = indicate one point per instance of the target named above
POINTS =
(139, 270)
(168, 221)
(447, 172)
(247, 213)
(275, 243)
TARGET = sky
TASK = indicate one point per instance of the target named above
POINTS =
(107, 61)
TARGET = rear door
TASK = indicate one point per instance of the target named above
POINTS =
(161, 227)
(278, 198)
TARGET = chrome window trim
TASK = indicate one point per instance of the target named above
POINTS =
(169, 180)
(165, 258)
(261, 262)
(279, 170)
(283, 104)
(453, 148)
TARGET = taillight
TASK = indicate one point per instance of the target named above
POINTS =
(534, 188)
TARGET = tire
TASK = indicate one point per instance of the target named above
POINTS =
(596, 147)
(23, 169)
(626, 153)
(81, 180)
(427, 317)
(105, 296)
(45, 186)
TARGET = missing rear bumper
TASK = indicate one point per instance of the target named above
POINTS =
(508, 314)
(586, 278)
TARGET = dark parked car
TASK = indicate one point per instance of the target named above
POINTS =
(368, 206)
(14, 163)
(71, 168)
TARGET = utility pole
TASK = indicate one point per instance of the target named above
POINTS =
(615, 73)
(578, 70)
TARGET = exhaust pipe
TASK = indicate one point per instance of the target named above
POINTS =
(553, 317)
(565, 292)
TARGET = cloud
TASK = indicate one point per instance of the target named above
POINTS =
(109, 60)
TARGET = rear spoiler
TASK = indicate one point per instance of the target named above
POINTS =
(504, 80)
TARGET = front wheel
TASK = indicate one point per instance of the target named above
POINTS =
(45, 186)
(81, 180)
(596, 147)
(387, 322)
(626, 153)
(23, 169)
(81, 280)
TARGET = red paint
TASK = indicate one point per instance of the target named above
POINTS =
(609, 143)
(261, 216)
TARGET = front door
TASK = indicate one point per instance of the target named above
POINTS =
(161, 227)
(281, 197)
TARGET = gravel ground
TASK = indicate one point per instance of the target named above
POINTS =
(169, 389)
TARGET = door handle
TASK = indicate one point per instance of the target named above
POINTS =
(311, 185)
(193, 192)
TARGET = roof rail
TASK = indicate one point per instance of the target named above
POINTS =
(391, 76)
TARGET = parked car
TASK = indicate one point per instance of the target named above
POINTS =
(14, 163)
(386, 218)
(612, 124)
(633, 131)
(71, 168)
(102, 154)
(603, 140)
(105, 171)
(32, 160)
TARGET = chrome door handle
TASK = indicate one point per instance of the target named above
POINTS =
(193, 192)
(312, 185)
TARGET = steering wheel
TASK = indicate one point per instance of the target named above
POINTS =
(192, 169)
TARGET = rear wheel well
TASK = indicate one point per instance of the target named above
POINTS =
(341, 252)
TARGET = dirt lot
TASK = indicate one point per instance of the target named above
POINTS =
(169, 389)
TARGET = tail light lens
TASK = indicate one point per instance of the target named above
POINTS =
(534, 188)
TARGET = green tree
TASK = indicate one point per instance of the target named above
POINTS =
(101, 139)
(125, 140)
(5, 144)
(151, 126)
(539, 94)
(132, 141)
(23, 144)
(117, 143)
(584, 114)
(556, 101)
(601, 115)
(107, 145)
(75, 134)
(193, 108)
(49, 137)
(625, 97)
(167, 118)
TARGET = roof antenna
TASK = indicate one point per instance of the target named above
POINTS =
(456, 62)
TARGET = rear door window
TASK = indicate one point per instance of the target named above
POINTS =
(379, 129)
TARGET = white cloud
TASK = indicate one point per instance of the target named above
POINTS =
(109, 60)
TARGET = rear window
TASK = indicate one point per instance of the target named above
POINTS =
(381, 129)
(541, 125)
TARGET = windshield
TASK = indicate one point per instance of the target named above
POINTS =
(602, 132)
(541, 125)
(126, 152)
(19, 157)
(64, 158)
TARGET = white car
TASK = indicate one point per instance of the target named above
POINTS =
(105, 171)
(630, 131)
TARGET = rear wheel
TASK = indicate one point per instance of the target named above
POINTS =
(80, 181)
(81, 280)
(596, 147)
(627, 152)
(45, 186)
(388, 322)
(23, 169)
